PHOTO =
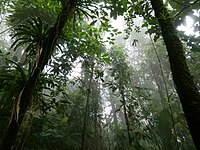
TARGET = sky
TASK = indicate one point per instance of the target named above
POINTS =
(120, 25)
(188, 28)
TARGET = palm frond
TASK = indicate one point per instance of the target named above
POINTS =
(29, 34)
(19, 69)
(12, 76)
(19, 42)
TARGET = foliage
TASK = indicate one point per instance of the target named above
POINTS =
(142, 107)
(31, 35)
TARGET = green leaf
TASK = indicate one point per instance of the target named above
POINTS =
(93, 22)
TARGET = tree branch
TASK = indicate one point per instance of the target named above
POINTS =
(184, 8)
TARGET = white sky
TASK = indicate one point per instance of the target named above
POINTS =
(188, 28)
(120, 25)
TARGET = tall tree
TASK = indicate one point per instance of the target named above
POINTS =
(24, 97)
(186, 89)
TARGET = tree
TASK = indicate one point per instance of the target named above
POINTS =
(25, 94)
(186, 89)
(53, 110)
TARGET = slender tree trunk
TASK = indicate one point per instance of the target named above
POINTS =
(113, 110)
(186, 89)
(26, 93)
(159, 77)
(86, 113)
(126, 117)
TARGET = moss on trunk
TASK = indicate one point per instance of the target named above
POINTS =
(186, 89)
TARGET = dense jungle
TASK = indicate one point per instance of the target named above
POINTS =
(99, 75)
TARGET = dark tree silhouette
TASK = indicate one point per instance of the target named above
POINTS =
(25, 95)
(186, 89)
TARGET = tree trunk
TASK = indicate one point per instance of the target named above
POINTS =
(186, 89)
(126, 117)
(26, 93)
(84, 141)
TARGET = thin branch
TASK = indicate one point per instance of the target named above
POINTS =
(6, 30)
(178, 2)
(184, 8)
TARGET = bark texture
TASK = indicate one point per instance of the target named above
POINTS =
(27, 91)
(186, 89)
